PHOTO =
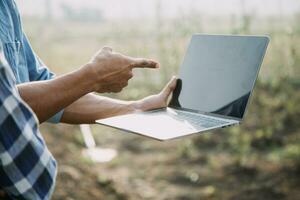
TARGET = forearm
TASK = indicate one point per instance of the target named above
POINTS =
(91, 107)
(46, 98)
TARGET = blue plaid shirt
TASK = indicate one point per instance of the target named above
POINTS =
(27, 168)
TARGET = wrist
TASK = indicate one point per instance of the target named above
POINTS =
(137, 106)
(89, 77)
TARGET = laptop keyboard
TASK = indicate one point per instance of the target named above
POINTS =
(197, 120)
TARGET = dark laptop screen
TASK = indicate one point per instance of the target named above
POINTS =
(218, 73)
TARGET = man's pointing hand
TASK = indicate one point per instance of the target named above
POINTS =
(111, 71)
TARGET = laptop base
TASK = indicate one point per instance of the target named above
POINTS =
(166, 123)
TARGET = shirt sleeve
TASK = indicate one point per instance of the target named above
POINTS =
(38, 71)
(27, 168)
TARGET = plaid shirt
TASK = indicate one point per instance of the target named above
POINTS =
(27, 168)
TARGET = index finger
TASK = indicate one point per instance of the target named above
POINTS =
(143, 63)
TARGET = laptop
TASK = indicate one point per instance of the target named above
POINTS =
(215, 82)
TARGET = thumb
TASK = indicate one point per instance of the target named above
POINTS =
(169, 88)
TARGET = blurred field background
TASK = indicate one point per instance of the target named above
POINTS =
(258, 160)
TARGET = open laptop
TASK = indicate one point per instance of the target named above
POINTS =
(215, 82)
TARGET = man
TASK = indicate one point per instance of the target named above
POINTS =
(48, 96)
(67, 98)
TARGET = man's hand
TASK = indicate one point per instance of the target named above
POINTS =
(111, 71)
(159, 100)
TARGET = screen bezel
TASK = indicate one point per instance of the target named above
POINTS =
(266, 40)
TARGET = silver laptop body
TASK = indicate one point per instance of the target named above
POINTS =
(215, 82)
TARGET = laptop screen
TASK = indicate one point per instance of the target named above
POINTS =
(218, 73)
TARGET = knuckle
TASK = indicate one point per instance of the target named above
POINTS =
(130, 66)
(119, 57)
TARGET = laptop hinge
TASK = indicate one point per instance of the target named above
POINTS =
(206, 113)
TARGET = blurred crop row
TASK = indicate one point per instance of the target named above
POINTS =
(263, 154)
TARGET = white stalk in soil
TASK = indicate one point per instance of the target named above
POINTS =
(96, 154)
